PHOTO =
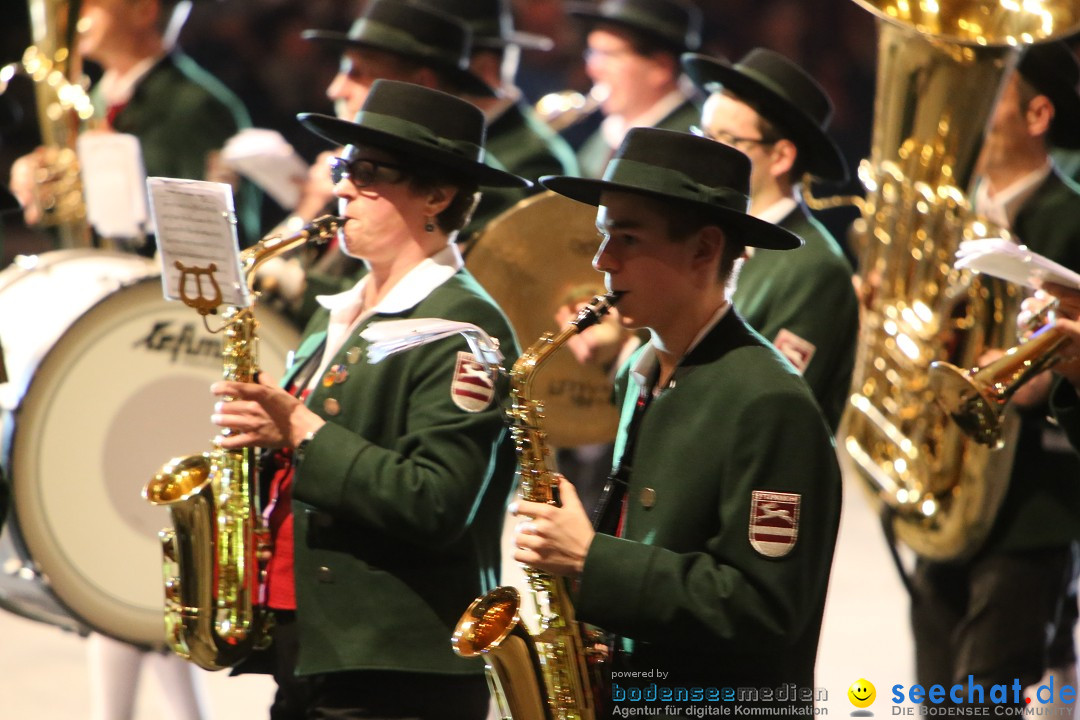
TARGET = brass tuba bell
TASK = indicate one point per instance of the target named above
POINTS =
(940, 67)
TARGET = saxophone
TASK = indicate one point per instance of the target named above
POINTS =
(547, 676)
(213, 564)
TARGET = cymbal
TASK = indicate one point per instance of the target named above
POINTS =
(532, 259)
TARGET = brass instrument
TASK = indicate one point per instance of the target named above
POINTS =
(939, 66)
(560, 110)
(975, 399)
(518, 249)
(212, 569)
(544, 676)
(54, 65)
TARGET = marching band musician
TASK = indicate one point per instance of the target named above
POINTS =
(803, 301)
(633, 56)
(384, 506)
(714, 567)
(150, 89)
(1065, 394)
(1008, 612)
(392, 40)
(516, 135)
(180, 114)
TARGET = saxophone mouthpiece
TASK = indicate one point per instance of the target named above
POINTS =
(598, 308)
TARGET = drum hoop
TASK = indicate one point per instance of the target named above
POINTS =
(40, 542)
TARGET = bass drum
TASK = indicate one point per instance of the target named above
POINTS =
(106, 381)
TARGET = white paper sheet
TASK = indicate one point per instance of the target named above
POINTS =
(264, 157)
(196, 227)
(1016, 263)
(114, 183)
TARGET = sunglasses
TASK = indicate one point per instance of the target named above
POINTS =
(364, 173)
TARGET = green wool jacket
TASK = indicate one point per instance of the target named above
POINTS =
(180, 113)
(1042, 505)
(397, 503)
(1065, 403)
(803, 301)
(594, 153)
(527, 147)
(734, 446)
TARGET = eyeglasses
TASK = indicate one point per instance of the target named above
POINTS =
(364, 173)
(602, 54)
(729, 139)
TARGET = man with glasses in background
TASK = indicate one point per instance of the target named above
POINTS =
(802, 301)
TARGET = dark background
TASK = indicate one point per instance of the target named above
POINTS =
(254, 47)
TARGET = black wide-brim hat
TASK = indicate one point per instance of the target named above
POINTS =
(491, 23)
(692, 170)
(415, 32)
(432, 127)
(785, 95)
(1053, 70)
(675, 23)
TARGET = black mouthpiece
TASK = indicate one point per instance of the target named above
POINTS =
(598, 308)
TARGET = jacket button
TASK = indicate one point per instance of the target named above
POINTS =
(331, 406)
(648, 497)
(324, 574)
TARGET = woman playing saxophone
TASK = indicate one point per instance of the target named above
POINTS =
(385, 497)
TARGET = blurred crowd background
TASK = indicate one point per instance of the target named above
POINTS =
(254, 47)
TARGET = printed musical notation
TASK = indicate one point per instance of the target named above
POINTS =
(196, 232)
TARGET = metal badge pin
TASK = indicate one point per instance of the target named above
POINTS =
(353, 355)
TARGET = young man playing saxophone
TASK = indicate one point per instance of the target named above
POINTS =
(715, 567)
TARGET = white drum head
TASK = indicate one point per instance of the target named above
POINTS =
(122, 391)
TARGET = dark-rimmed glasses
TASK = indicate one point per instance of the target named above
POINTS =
(729, 139)
(364, 173)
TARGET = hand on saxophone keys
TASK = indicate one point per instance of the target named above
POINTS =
(553, 538)
(260, 414)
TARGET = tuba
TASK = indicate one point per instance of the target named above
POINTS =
(939, 65)
(62, 104)
(546, 676)
(212, 556)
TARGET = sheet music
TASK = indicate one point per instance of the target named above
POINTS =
(114, 183)
(1016, 263)
(264, 157)
(196, 226)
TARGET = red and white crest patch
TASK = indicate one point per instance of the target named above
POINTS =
(774, 522)
(472, 389)
(797, 350)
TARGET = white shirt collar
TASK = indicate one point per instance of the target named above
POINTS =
(1003, 206)
(645, 367)
(347, 309)
(778, 210)
(614, 127)
(117, 88)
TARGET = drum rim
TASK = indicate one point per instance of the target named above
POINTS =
(42, 545)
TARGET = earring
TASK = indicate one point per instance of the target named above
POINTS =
(430, 225)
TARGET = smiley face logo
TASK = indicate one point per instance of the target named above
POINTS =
(862, 693)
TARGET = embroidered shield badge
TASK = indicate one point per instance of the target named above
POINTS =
(472, 389)
(774, 522)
